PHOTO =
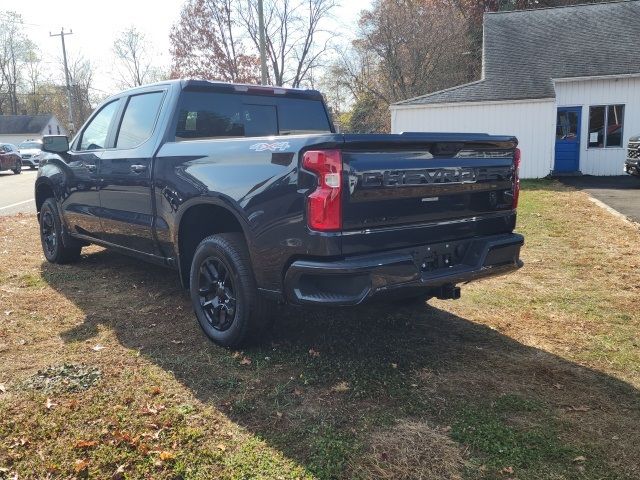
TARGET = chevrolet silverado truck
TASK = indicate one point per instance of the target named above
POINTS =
(255, 199)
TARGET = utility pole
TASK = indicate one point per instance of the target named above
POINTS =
(263, 53)
(66, 74)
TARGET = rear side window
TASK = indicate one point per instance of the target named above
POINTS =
(139, 119)
(222, 115)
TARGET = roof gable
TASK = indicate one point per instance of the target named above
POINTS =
(525, 50)
(23, 124)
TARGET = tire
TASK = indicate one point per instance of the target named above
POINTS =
(225, 298)
(18, 168)
(51, 236)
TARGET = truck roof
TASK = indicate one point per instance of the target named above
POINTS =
(213, 85)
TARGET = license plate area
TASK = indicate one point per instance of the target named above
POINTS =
(440, 256)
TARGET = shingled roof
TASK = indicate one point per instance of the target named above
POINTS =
(524, 50)
(23, 124)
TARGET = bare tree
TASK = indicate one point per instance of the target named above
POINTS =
(132, 52)
(14, 48)
(81, 73)
(220, 39)
(209, 42)
(293, 29)
(36, 81)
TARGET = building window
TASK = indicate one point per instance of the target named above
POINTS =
(606, 124)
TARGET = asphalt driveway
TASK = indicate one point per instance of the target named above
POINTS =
(622, 193)
(16, 192)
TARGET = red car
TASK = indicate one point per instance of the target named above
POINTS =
(10, 158)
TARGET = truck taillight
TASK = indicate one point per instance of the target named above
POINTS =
(324, 205)
(516, 177)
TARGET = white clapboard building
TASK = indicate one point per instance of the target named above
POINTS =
(565, 81)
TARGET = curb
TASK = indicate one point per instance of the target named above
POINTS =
(614, 212)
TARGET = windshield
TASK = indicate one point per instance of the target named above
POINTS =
(26, 145)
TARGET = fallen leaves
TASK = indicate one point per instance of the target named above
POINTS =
(85, 444)
(341, 387)
(150, 409)
(81, 465)
(245, 361)
(166, 456)
(3, 389)
(507, 470)
(49, 404)
(98, 347)
(314, 353)
(580, 458)
(119, 473)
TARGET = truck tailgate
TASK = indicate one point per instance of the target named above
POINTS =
(414, 179)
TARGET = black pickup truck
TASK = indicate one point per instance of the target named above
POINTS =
(632, 163)
(254, 198)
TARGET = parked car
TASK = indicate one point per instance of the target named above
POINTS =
(632, 164)
(10, 158)
(253, 198)
(31, 153)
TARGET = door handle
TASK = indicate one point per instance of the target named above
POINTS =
(91, 167)
(138, 168)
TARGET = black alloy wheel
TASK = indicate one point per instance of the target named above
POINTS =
(48, 233)
(217, 293)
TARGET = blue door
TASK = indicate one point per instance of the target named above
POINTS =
(568, 140)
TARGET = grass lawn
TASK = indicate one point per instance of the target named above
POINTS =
(104, 372)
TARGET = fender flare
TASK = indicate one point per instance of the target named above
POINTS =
(221, 201)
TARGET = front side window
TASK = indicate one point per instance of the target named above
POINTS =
(139, 119)
(95, 134)
(606, 124)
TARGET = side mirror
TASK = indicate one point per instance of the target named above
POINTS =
(55, 143)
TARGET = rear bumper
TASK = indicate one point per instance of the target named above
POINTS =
(423, 269)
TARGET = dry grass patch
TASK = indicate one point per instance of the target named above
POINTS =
(411, 450)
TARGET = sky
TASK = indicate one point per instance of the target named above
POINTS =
(95, 25)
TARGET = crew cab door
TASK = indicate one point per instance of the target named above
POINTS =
(126, 174)
(81, 204)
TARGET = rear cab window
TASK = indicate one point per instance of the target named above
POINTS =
(214, 115)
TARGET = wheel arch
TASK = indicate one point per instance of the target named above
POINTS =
(43, 190)
(191, 229)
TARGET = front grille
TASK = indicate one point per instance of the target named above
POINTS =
(26, 155)
(633, 150)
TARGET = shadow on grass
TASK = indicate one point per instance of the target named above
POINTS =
(512, 404)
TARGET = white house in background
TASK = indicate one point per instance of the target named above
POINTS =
(16, 129)
(565, 81)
